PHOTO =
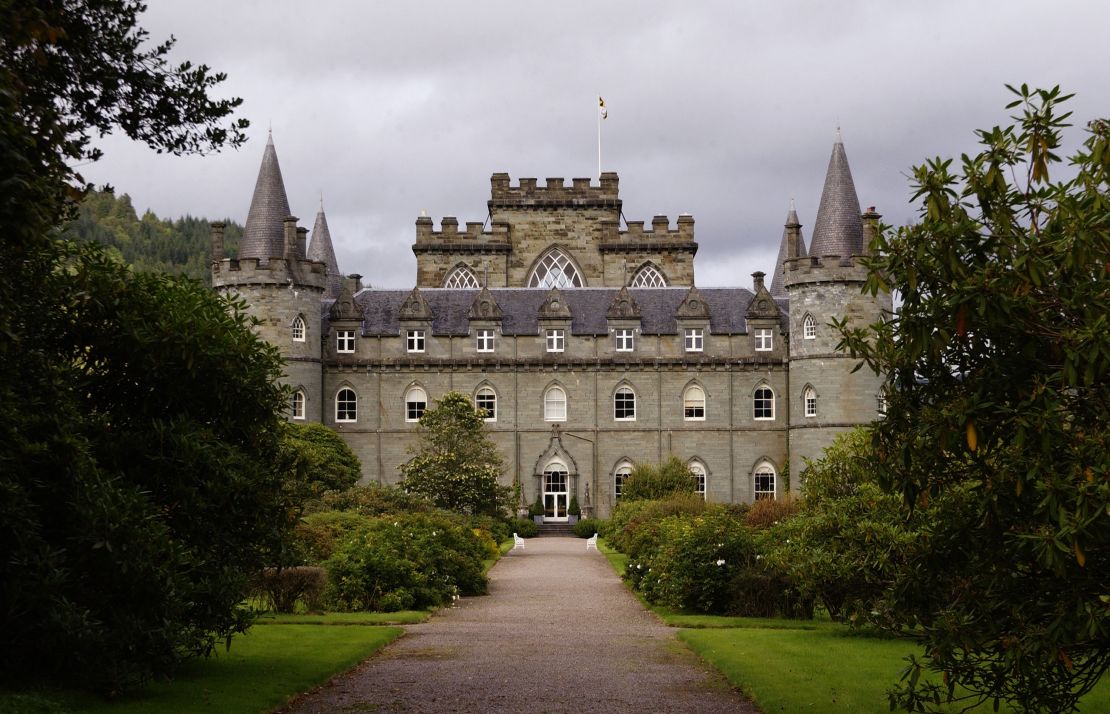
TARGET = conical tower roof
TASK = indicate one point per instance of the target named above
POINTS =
(320, 249)
(838, 229)
(778, 279)
(263, 236)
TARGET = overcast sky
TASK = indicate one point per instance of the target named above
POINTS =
(725, 110)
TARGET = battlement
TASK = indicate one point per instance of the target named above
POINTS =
(555, 193)
(659, 236)
(825, 268)
(471, 238)
(298, 272)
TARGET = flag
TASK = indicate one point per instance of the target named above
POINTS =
(601, 107)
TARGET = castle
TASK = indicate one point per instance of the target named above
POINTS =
(588, 346)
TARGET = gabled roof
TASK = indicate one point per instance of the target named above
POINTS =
(263, 235)
(838, 229)
(520, 308)
(320, 249)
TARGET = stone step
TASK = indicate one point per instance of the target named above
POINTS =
(556, 529)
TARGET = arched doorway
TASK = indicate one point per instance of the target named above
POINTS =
(556, 492)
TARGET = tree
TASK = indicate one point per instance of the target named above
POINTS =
(998, 383)
(324, 459)
(141, 477)
(456, 465)
(656, 481)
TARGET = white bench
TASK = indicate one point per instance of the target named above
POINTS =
(518, 542)
(591, 542)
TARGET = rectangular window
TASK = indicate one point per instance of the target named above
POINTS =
(556, 340)
(345, 341)
(625, 339)
(415, 340)
(763, 340)
(695, 339)
(485, 340)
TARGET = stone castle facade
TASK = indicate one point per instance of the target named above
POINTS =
(588, 345)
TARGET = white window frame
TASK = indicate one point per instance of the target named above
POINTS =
(299, 329)
(809, 400)
(701, 477)
(555, 269)
(688, 404)
(809, 328)
(625, 339)
(693, 339)
(556, 340)
(555, 404)
(620, 475)
(413, 412)
(297, 405)
(648, 276)
(416, 341)
(349, 413)
(485, 339)
(483, 392)
(461, 278)
(764, 472)
(345, 342)
(764, 339)
(630, 395)
(757, 407)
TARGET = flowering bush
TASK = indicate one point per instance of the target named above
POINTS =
(407, 561)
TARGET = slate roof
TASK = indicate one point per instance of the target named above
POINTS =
(320, 249)
(838, 229)
(520, 308)
(263, 235)
(778, 279)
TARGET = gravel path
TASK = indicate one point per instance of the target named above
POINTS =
(557, 633)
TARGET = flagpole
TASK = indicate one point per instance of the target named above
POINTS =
(599, 141)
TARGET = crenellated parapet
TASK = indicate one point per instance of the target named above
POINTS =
(824, 269)
(660, 237)
(449, 239)
(299, 272)
(555, 193)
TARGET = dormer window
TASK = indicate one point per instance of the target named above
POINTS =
(556, 340)
(763, 340)
(414, 340)
(345, 341)
(625, 338)
(694, 339)
(485, 339)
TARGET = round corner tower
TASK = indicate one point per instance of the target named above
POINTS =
(281, 285)
(827, 397)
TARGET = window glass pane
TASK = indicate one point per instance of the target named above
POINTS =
(764, 482)
(624, 404)
(555, 271)
(416, 402)
(624, 340)
(810, 402)
(764, 403)
(619, 478)
(555, 405)
(648, 276)
(699, 476)
(461, 277)
(298, 405)
(485, 340)
(555, 340)
(345, 405)
(487, 401)
(298, 329)
(694, 339)
(809, 328)
(415, 340)
(693, 403)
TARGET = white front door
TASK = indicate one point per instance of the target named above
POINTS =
(555, 496)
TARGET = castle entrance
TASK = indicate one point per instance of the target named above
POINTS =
(555, 494)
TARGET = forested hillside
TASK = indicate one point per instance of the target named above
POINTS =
(181, 247)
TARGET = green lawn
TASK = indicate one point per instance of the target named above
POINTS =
(402, 617)
(264, 669)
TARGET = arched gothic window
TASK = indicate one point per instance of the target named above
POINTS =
(698, 470)
(298, 404)
(486, 400)
(416, 402)
(809, 396)
(298, 329)
(555, 404)
(648, 276)
(624, 404)
(693, 403)
(461, 277)
(346, 405)
(763, 403)
(555, 270)
(764, 481)
(619, 477)
(809, 328)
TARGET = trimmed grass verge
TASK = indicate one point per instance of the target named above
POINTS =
(402, 617)
(264, 669)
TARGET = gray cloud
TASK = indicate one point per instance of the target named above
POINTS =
(725, 110)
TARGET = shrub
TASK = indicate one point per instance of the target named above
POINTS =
(525, 528)
(767, 511)
(371, 500)
(536, 509)
(407, 561)
(322, 458)
(317, 535)
(283, 588)
(586, 527)
(495, 529)
(573, 509)
(633, 522)
(651, 482)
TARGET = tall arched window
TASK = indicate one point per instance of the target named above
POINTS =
(698, 470)
(555, 270)
(485, 399)
(619, 477)
(648, 276)
(693, 403)
(555, 404)
(416, 402)
(298, 404)
(763, 403)
(809, 397)
(461, 277)
(298, 329)
(346, 405)
(624, 404)
(764, 481)
(809, 328)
